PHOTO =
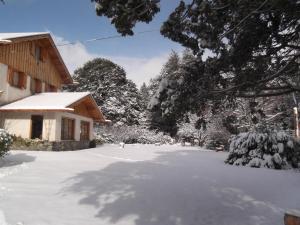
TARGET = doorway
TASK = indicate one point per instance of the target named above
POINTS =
(36, 127)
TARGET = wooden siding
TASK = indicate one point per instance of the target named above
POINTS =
(19, 56)
(87, 107)
(82, 110)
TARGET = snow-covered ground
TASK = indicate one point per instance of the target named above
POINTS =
(141, 185)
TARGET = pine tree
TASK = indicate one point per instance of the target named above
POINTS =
(253, 45)
(162, 116)
(118, 97)
(145, 95)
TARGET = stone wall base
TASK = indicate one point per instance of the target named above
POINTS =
(39, 145)
(70, 145)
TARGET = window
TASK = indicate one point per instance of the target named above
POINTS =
(16, 78)
(67, 129)
(50, 88)
(35, 85)
(38, 52)
(84, 130)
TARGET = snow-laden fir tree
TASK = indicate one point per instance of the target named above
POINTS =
(118, 97)
(145, 95)
(162, 116)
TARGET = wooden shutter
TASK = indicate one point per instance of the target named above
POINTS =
(38, 86)
(47, 87)
(10, 75)
(53, 88)
(43, 54)
(32, 49)
(22, 80)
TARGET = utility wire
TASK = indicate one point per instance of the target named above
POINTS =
(103, 38)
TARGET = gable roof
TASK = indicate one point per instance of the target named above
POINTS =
(9, 38)
(56, 101)
(5, 36)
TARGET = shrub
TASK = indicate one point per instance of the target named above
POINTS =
(130, 135)
(218, 139)
(5, 142)
(268, 148)
(93, 144)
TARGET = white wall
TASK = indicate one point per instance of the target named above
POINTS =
(10, 93)
(19, 124)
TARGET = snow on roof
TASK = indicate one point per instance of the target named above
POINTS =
(47, 101)
(4, 36)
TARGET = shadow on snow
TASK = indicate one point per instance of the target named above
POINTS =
(184, 187)
(15, 159)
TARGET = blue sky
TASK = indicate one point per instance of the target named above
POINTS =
(72, 20)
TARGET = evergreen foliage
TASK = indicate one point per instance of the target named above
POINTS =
(264, 148)
(125, 14)
(118, 97)
(253, 46)
(162, 116)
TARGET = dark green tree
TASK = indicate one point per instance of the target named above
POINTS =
(253, 44)
(117, 96)
(161, 107)
(124, 14)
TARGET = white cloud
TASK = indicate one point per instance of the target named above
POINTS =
(139, 70)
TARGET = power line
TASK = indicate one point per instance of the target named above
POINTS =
(103, 38)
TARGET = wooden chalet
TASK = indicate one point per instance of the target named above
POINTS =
(32, 74)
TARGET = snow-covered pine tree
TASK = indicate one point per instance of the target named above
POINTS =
(162, 116)
(145, 95)
(118, 97)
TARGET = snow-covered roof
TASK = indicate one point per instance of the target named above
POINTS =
(4, 36)
(57, 101)
(46, 101)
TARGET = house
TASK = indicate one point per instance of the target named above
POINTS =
(32, 105)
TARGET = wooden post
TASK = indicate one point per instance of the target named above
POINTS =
(292, 218)
(296, 122)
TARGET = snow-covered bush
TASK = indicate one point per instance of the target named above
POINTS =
(268, 148)
(130, 135)
(5, 142)
(188, 132)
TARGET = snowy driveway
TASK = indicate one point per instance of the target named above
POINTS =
(141, 185)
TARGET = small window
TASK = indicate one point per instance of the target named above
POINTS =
(35, 86)
(67, 129)
(50, 88)
(16, 78)
(38, 53)
(84, 130)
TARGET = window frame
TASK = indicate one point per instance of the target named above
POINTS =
(67, 130)
(38, 52)
(50, 88)
(35, 86)
(21, 80)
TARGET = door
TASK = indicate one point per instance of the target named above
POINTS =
(36, 127)
(84, 131)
